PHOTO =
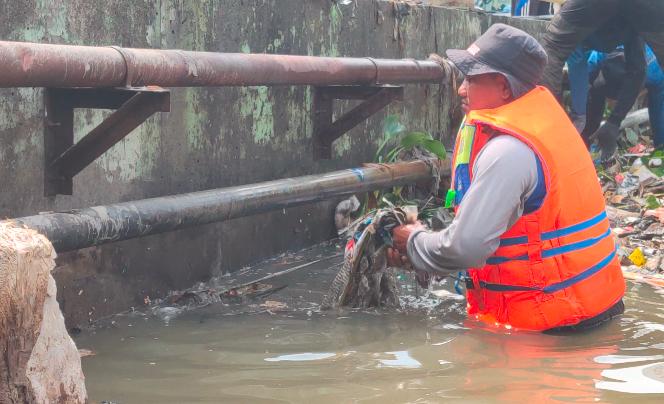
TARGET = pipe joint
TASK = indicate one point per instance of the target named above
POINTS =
(129, 65)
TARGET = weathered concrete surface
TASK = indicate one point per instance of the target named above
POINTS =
(213, 137)
(39, 362)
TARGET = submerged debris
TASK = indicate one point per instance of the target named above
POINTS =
(365, 280)
(282, 277)
(83, 353)
(272, 306)
(343, 211)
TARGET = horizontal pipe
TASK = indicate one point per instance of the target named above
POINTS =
(97, 225)
(24, 64)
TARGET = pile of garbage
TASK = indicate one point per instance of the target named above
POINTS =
(634, 190)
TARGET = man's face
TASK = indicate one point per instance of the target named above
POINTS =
(484, 91)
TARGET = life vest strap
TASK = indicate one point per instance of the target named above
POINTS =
(550, 235)
(552, 252)
(554, 287)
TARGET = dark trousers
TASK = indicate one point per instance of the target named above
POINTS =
(585, 325)
(600, 91)
(577, 19)
(656, 112)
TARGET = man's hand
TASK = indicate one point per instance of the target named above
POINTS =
(397, 256)
(607, 138)
(396, 259)
(400, 235)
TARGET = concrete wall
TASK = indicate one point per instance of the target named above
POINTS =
(213, 137)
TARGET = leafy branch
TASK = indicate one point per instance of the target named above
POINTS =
(396, 142)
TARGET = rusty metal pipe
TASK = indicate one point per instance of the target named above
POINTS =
(44, 65)
(88, 227)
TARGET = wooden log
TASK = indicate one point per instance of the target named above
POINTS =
(39, 362)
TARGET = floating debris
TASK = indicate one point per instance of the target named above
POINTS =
(343, 211)
(85, 352)
(365, 280)
(273, 306)
(634, 192)
(658, 213)
(637, 257)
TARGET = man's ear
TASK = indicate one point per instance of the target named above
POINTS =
(507, 89)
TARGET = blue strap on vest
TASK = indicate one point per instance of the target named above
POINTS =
(550, 235)
(551, 252)
(535, 200)
(555, 287)
(462, 182)
(457, 282)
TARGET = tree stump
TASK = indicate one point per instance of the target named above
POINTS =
(39, 362)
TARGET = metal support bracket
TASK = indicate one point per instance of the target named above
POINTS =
(326, 131)
(63, 158)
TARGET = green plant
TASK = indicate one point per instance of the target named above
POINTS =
(397, 140)
(652, 202)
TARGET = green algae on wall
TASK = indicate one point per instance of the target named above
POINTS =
(194, 23)
(333, 31)
(134, 157)
(195, 119)
(276, 43)
(255, 105)
(298, 113)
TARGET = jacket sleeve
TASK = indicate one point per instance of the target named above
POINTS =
(505, 175)
(576, 20)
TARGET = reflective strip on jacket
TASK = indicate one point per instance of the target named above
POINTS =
(556, 265)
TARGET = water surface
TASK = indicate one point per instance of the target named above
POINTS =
(258, 352)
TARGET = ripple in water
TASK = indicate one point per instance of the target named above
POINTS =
(646, 379)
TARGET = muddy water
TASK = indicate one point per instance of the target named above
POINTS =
(280, 349)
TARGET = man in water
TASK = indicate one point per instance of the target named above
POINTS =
(531, 232)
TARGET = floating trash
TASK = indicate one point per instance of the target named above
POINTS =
(301, 357)
(402, 359)
(646, 379)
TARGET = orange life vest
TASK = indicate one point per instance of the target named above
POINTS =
(557, 265)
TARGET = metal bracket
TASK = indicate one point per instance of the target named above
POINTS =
(327, 131)
(63, 158)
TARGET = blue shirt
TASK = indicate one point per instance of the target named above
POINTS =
(654, 73)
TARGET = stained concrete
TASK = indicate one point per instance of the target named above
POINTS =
(214, 137)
